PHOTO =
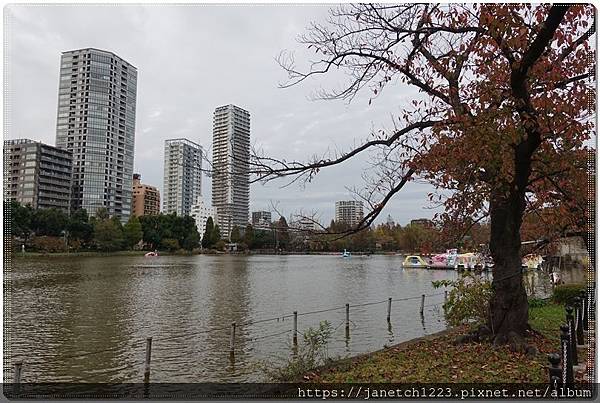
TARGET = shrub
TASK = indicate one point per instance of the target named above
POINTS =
(48, 244)
(310, 354)
(468, 300)
(565, 293)
(170, 244)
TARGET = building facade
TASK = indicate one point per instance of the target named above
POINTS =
(261, 219)
(231, 162)
(422, 222)
(37, 174)
(349, 211)
(201, 212)
(182, 185)
(96, 122)
(146, 198)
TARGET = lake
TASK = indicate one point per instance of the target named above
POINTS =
(86, 319)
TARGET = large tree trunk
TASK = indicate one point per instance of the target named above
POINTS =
(508, 307)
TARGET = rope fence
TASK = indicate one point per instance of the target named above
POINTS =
(349, 324)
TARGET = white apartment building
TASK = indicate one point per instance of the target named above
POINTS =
(231, 163)
(96, 123)
(349, 211)
(182, 181)
(200, 211)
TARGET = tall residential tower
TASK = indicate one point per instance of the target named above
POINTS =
(96, 122)
(231, 163)
(182, 185)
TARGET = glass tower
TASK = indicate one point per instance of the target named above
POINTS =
(231, 165)
(96, 122)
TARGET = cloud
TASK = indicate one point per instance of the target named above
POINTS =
(191, 59)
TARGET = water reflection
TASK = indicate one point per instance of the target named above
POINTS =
(88, 318)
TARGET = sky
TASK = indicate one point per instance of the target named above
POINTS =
(192, 59)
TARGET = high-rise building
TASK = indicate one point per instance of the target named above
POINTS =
(349, 211)
(231, 162)
(182, 185)
(261, 219)
(201, 212)
(146, 198)
(37, 174)
(96, 122)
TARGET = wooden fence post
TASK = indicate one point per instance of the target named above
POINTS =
(148, 357)
(347, 321)
(295, 338)
(16, 387)
(232, 341)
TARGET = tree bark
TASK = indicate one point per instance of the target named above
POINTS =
(508, 307)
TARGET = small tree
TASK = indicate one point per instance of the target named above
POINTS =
(235, 234)
(132, 232)
(108, 234)
(249, 236)
(207, 238)
(216, 234)
(170, 244)
(79, 227)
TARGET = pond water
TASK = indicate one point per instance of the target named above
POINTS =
(86, 319)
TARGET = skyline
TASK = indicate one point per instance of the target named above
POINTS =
(177, 99)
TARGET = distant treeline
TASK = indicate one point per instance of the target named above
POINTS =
(52, 230)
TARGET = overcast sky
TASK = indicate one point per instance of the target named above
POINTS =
(191, 59)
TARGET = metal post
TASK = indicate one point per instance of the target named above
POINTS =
(445, 296)
(347, 321)
(578, 321)
(572, 342)
(148, 357)
(389, 315)
(567, 359)
(232, 341)
(554, 371)
(295, 328)
(585, 307)
(422, 303)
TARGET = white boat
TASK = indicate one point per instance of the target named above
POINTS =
(151, 254)
(415, 261)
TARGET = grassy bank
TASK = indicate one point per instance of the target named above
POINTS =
(437, 359)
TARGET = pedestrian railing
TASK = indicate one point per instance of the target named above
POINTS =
(574, 334)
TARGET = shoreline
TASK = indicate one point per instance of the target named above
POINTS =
(212, 253)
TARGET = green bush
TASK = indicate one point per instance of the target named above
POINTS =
(308, 355)
(48, 244)
(170, 244)
(468, 300)
(565, 293)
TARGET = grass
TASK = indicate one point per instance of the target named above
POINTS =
(436, 359)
